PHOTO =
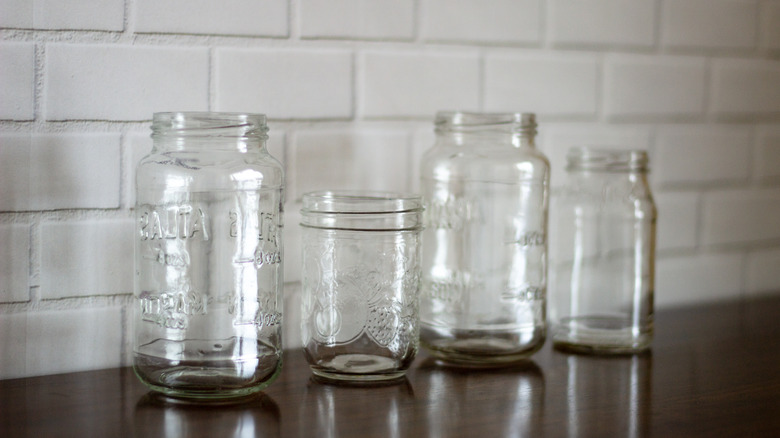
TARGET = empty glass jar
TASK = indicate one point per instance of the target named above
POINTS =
(360, 278)
(485, 188)
(208, 260)
(602, 253)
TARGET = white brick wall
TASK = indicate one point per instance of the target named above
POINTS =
(547, 84)
(726, 24)
(351, 87)
(361, 19)
(417, 84)
(119, 82)
(17, 80)
(57, 14)
(652, 86)
(226, 17)
(503, 21)
(88, 257)
(602, 22)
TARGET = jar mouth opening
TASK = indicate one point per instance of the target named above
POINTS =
(210, 124)
(606, 159)
(465, 121)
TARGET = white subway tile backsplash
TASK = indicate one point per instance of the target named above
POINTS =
(118, 82)
(363, 159)
(285, 84)
(65, 341)
(677, 220)
(743, 87)
(139, 145)
(768, 155)
(85, 258)
(703, 154)
(226, 17)
(741, 216)
(418, 84)
(770, 25)
(14, 263)
(639, 86)
(728, 24)
(55, 171)
(14, 345)
(546, 84)
(369, 19)
(17, 80)
(57, 14)
(602, 22)
(762, 272)
(681, 280)
(292, 243)
(502, 21)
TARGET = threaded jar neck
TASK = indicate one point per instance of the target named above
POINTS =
(237, 126)
(606, 160)
(472, 122)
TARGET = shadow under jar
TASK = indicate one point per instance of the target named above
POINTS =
(208, 257)
(360, 278)
(602, 253)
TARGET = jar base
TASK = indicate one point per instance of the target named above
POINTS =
(600, 335)
(481, 348)
(358, 368)
(212, 380)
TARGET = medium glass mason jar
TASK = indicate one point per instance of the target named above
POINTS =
(485, 188)
(208, 257)
(361, 280)
(602, 253)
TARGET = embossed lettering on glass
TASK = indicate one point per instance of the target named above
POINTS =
(602, 253)
(485, 188)
(208, 257)
(360, 277)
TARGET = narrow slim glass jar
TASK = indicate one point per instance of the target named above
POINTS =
(208, 257)
(602, 253)
(485, 188)
(360, 278)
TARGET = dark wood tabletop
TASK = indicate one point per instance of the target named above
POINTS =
(714, 370)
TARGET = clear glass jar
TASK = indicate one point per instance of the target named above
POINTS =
(361, 282)
(208, 257)
(602, 253)
(485, 188)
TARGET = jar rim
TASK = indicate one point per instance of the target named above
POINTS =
(464, 121)
(607, 159)
(212, 124)
(360, 202)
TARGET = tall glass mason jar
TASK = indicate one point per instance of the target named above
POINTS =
(208, 257)
(361, 284)
(485, 188)
(602, 253)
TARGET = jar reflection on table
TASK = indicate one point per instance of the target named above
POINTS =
(360, 284)
(468, 402)
(255, 416)
(612, 395)
(485, 188)
(329, 410)
(208, 257)
(602, 253)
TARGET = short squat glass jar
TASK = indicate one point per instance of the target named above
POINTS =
(602, 253)
(360, 278)
(485, 188)
(208, 257)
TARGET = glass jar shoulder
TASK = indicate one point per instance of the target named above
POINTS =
(505, 163)
(210, 171)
